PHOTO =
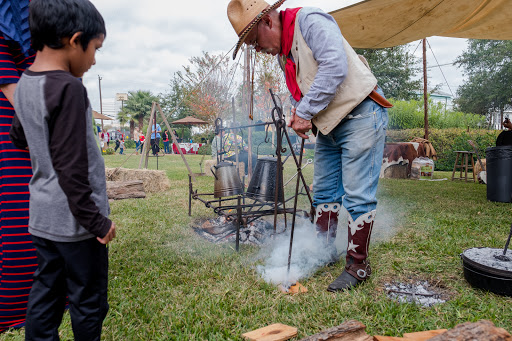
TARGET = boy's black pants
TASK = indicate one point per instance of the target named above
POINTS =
(78, 270)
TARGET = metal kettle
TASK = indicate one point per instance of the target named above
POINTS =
(227, 180)
(263, 182)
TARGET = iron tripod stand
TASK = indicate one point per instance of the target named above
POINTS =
(237, 208)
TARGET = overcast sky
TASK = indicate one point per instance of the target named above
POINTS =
(147, 41)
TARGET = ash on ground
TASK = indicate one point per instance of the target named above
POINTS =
(421, 293)
(220, 230)
(486, 256)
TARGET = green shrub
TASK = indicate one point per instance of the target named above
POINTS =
(447, 141)
(205, 149)
(129, 144)
(205, 137)
(108, 151)
(410, 115)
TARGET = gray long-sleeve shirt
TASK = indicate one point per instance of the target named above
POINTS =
(68, 198)
(323, 36)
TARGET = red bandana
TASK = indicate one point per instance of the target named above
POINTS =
(288, 23)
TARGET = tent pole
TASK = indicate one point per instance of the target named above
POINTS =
(425, 91)
(145, 149)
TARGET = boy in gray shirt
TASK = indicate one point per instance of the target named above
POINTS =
(68, 201)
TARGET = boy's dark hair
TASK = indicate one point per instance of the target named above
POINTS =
(53, 20)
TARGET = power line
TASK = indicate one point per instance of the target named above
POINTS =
(440, 69)
(417, 47)
(445, 64)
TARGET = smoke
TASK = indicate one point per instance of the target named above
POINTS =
(308, 254)
(385, 226)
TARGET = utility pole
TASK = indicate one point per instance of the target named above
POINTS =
(101, 104)
(121, 97)
(425, 90)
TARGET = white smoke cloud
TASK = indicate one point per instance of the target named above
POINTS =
(308, 252)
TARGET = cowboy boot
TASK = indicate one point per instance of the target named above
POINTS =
(357, 268)
(326, 222)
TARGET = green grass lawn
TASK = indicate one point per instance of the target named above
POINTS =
(166, 283)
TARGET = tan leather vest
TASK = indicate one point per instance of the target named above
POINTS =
(357, 85)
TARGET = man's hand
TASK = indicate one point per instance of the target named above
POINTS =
(109, 236)
(300, 125)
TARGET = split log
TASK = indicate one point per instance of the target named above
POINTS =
(423, 336)
(351, 330)
(118, 190)
(274, 332)
(416, 336)
(480, 330)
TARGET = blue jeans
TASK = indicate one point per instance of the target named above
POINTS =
(166, 148)
(348, 160)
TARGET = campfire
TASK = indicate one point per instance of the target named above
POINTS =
(220, 230)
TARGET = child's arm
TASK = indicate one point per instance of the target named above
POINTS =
(109, 236)
(67, 104)
(17, 134)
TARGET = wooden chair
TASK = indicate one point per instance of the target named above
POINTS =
(464, 165)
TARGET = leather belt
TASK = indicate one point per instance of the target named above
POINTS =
(379, 99)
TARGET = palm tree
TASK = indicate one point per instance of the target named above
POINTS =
(124, 116)
(138, 107)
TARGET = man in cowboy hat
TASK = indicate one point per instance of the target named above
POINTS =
(335, 94)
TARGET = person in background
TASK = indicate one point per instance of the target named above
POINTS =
(226, 147)
(136, 138)
(166, 142)
(121, 147)
(105, 137)
(108, 139)
(334, 93)
(102, 140)
(117, 144)
(155, 138)
(68, 200)
(505, 137)
(179, 140)
(141, 140)
(17, 253)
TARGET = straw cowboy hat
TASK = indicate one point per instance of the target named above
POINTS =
(246, 14)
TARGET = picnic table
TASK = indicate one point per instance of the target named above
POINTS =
(186, 148)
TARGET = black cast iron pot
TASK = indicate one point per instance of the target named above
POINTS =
(263, 182)
(487, 278)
